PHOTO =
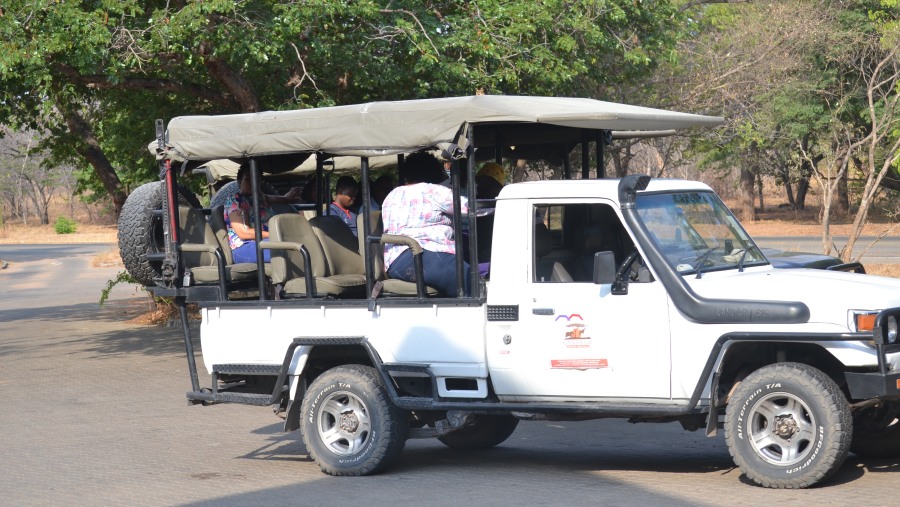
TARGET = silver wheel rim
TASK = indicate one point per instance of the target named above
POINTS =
(782, 429)
(343, 423)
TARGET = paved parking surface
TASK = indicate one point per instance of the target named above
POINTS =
(92, 412)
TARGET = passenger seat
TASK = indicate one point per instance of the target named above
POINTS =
(203, 252)
(290, 235)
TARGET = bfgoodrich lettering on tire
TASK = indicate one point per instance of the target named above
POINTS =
(788, 425)
(349, 425)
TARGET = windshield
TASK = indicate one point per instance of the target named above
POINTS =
(696, 231)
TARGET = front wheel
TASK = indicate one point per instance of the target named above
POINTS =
(788, 425)
(349, 425)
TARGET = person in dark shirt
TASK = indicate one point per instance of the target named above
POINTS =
(345, 192)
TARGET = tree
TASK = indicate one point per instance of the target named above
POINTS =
(744, 62)
(24, 174)
(96, 73)
(876, 146)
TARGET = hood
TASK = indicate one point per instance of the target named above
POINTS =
(828, 294)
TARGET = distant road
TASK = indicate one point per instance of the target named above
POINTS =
(885, 251)
(28, 253)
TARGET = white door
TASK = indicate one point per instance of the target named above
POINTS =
(574, 338)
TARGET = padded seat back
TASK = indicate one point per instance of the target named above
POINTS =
(195, 230)
(288, 264)
(340, 246)
(220, 230)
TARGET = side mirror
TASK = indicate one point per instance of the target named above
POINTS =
(604, 268)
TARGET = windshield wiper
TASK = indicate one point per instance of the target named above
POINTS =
(698, 267)
(740, 264)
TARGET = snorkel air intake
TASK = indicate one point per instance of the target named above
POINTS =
(693, 306)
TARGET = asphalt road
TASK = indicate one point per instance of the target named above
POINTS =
(872, 250)
(92, 412)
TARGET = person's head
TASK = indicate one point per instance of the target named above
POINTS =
(381, 187)
(308, 194)
(243, 179)
(423, 167)
(489, 180)
(345, 191)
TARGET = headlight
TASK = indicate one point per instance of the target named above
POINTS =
(891, 330)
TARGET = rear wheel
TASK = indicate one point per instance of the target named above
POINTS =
(140, 232)
(788, 425)
(486, 431)
(349, 425)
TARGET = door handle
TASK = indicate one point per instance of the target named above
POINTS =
(542, 311)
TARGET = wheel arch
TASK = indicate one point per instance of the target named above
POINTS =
(741, 358)
(321, 358)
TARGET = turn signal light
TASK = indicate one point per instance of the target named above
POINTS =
(865, 321)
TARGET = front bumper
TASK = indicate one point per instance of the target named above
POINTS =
(885, 382)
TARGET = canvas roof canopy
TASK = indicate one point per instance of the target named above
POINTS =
(390, 128)
(226, 169)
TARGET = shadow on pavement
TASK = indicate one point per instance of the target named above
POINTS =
(90, 330)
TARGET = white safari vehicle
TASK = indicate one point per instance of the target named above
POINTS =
(635, 298)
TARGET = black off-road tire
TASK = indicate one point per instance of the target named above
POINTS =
(140, 233)
(349, 425)
(232, 188)
(487, 431)
(876, 432)
(788, 426)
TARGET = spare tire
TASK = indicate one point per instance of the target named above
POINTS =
(232, 188)
(142, 233)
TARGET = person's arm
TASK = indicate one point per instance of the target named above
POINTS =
(443, 199)
(241, 227)
(287, 198)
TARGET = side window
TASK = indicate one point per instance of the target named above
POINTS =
(566, 237)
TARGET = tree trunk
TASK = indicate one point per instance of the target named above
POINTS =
(759, 191)
(788, 189)
(90, 149)
(842, 206)
(748, 199)
(802, 190)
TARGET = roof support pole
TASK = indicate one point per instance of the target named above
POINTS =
(366, 223)
(257, 228)
(600, 141)
(585, 155)
(474, 286)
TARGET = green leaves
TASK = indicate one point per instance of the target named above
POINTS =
(122, 63)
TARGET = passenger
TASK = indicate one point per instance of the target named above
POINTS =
(240, 221)
(310, 196)
(489, 181)
(423, 209)
(345, 192)
(380, 188)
